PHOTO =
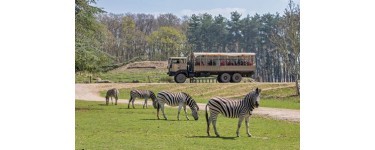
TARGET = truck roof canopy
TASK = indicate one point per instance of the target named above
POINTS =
(177, 57)
(223, 54)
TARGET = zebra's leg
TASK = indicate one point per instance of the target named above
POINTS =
(130, 100)
(111, 100)
(213, 118)
(145, 104)
(239, 125)
(208, 125)
(208, 119)
(116, 98)
(247, 125)
(162, 110)
(179, 110)
(133, 103)
(185, 112)
(157, 112)
(106, 101)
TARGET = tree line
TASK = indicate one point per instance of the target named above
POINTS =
(104, 39)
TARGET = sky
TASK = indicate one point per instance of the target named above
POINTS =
(189, 7)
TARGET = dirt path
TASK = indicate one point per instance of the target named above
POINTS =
(90, 92)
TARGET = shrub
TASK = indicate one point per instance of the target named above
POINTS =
(166, 79)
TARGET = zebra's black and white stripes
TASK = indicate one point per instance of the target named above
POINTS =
(233, 109)
(112, 93)
(146, 94)
(177, 99)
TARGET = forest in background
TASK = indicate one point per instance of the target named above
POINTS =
(104, 39)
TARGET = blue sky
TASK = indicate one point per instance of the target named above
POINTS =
(188, 7)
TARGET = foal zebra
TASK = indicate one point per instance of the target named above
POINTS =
(111, 93)
(177, 99)
(233, 109)
(142, 94)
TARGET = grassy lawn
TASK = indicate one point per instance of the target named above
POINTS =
(202, 92)
(113, 127)
(141, 75)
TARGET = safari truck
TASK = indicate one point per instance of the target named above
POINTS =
(229, 67)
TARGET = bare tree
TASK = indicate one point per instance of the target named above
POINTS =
(287, 39)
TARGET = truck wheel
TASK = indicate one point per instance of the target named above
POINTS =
(180, 78)
(225, 77)
(218, 79)
(236, 78)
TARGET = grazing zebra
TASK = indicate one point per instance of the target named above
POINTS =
(177, 99)
(111, 93)
(142, 94)
(233, 109)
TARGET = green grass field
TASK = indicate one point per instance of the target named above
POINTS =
(113, 127)
(128, 76)
(281, 97)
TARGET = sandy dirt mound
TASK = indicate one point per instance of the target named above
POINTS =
(151, 64)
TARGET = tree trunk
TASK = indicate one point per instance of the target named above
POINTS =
(297, 87)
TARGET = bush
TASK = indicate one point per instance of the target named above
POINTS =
(166, 79)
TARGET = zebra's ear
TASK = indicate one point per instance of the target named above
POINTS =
(258, 90)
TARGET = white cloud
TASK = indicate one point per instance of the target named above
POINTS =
(215, 12)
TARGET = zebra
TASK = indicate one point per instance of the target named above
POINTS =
(142, 94)
(233, 109)
(111, 93)
(177, 99)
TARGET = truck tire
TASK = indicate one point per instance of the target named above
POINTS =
(180, 78)
(218, 79)
(236, 78)
(225, 77)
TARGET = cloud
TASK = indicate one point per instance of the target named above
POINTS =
(215, 12)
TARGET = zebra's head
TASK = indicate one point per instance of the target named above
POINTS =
(257, 99)
(193, 105)
(254, 98)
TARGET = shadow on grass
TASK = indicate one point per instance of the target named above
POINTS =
(86, 109)
(133, 108)
(212, 137)
(125, 108)
(152, 119)
(165, 120)
(108, 105)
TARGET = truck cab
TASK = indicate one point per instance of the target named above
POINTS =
(176, 65)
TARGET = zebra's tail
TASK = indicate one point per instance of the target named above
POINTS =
(208, 124)
(156, 104)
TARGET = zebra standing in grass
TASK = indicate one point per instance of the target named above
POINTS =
(233, 109)
(177, 99)
(111, 93)
(142, 94)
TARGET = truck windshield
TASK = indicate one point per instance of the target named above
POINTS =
(176, 61)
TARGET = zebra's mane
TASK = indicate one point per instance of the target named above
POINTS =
(250, 96)
(186, 94)
(190, 98)
(152, 95)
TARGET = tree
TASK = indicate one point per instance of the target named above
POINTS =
(235, 33)
(194, 32)
(168, 20)
(167, 41)
(206, 32)
(286, 37)
(88, 56)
